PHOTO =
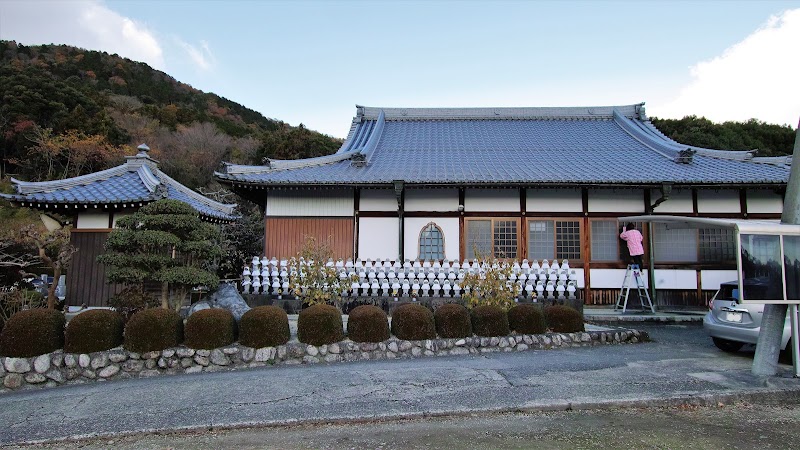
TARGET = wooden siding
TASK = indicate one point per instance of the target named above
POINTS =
(86, 278)
(285, 235)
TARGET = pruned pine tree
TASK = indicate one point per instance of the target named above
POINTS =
(164, 242)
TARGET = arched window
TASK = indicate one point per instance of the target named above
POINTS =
(431, 242)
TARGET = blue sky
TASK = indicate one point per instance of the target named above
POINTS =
(311, 62)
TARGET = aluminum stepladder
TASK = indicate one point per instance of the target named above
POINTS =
(633, 273)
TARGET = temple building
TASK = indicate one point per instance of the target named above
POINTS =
(517, 183)
(93, 203)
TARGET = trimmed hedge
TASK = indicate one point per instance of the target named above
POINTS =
(94, 331)
(527, 319)
(32, 332)
(490, 320)
(452, 321)
(367, 323)
(210, 328)
(413, 322)
(264, 326)
(153, 329)
(319, 325)
(563, 319)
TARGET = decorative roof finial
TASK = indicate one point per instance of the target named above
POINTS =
(143, 149)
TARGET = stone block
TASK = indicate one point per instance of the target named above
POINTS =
(335, 349)
(184, 352)
(57, 358)
(186, 362)
(109, 371)
(13, 381)
(219, 358)
(201, 360)
(84, 360)
(312, 350)
(266, 353)
(193, 369)
(393, 347)
(168, 353)
(310, 359)
(99, 360)
(203, 352)
(150, 363)
(117, 356)
(522, 347)
(17, 365)
(133, 365)
(55, 375)
(230, 350)
(248, 354)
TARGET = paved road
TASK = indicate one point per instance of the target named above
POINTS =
(680, 366)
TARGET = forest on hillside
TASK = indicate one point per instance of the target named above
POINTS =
(67, 111)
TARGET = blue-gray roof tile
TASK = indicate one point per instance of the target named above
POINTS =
(602, 145)
(136, 181)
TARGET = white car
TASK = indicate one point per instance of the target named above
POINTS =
(731, 324)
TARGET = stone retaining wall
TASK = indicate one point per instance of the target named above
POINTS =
(60, 368)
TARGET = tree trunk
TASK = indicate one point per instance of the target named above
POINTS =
(165, 295)
(51, 291)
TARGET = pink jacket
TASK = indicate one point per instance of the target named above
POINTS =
(634, 240)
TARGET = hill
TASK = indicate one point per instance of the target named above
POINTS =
(67, 111)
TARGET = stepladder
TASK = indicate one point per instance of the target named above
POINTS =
(634, 279)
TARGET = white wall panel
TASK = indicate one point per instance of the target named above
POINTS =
(718, 201)
(711, 279)
(607, 278)
(449, 227)
(311, 203)
(763, 201)
(616, 200)
(554, 200)
(377, 200)
(675, 279)
(431, 200)
(378, 238)
(92, 220)
(680, 201)
(506, 200)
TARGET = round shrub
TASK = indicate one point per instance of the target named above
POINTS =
(527, 319)
(319, 325)
(563, 319)
(453, 321)
(210, 328)
(32, 332)
(413, 322)
(93, 331)
(489, 320)
(367, 323)
(153, 329)
(264, 326)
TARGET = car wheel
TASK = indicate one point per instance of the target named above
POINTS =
(728, 346)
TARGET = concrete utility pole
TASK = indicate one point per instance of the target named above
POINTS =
(768, 347)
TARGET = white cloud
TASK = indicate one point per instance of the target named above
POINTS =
(755, 78)
(88, 24)
(201, 57)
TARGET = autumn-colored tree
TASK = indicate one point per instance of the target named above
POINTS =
(58, 156)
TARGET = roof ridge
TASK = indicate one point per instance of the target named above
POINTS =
(571, 112)
(32, 187)
(225, 208)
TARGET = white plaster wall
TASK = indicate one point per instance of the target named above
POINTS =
(311, 203)
(449, 226)
(711, 279)
(506, 200)
(378, 238)
(718, 201)
(616, 200)
(377, 200)
(554, 200)
(764, 201)
(118, 216)
(680, 201)
(607, 278)
(431, 200)
(92, 220)
(581, 282)
(675, 279)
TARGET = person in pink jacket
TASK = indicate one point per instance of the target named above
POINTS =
(634, 239)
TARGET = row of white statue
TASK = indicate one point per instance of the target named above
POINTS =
(413, 278)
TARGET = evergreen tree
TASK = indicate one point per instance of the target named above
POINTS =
(164, 242)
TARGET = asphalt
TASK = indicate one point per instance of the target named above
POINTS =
(679, 367)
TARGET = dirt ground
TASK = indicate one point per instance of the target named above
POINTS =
(740, 426)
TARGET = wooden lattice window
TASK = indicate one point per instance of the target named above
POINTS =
(431, 242)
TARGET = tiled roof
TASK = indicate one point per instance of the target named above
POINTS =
(581, 145)
(136, 182)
